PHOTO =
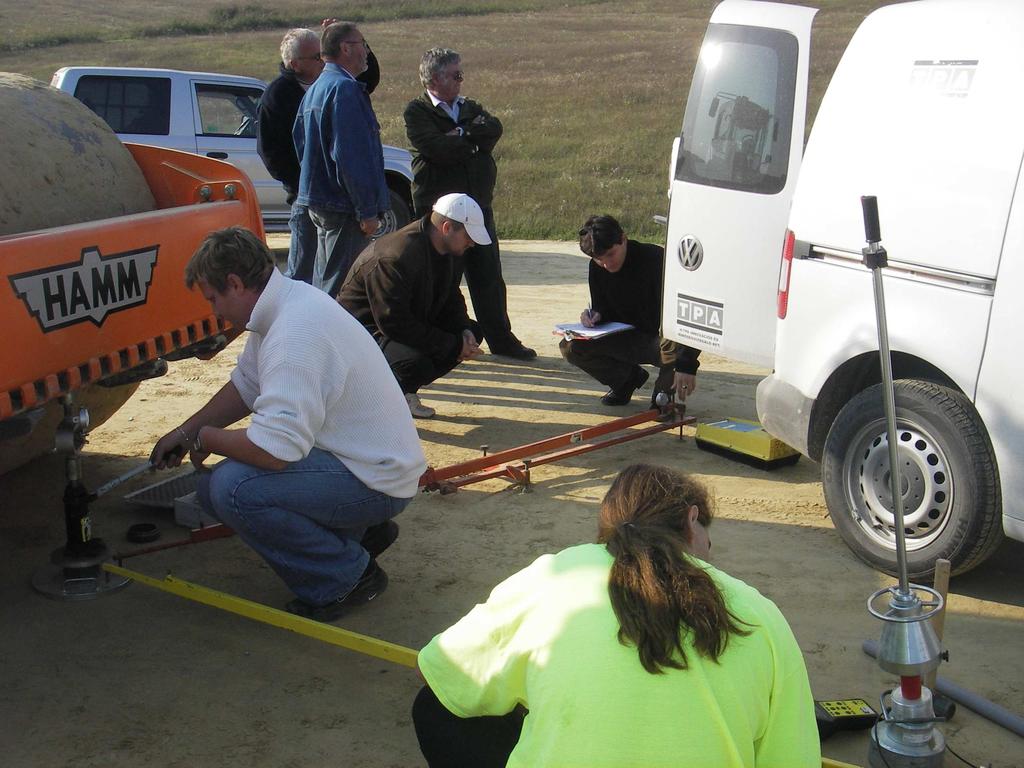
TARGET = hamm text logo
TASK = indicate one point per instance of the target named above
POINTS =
(89, 290)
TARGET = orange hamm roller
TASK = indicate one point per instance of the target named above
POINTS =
(103, 301)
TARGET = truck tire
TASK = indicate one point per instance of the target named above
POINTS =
(951, 498)
(64, 166)
(397, 217)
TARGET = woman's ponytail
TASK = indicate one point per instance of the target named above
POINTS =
(660, 595)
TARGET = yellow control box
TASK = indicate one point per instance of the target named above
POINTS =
(746, 441)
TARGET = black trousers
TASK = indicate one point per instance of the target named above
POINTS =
(449, 741)
(414, 368)
(612, 360)
(482, 268)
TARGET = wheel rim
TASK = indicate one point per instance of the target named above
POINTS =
(388, 223)
(927, 485)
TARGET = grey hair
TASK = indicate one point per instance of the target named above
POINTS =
(293, 39)
(434, 61)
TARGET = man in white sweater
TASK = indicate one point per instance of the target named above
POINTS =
(331, 453)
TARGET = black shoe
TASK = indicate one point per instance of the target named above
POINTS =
(379, 537)
(370, 584)
(622, 395)
(514, 348)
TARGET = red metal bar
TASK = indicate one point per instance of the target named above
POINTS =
(448, 479)
(195, 536)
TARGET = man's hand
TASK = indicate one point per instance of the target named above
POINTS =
(198, 457)
(589, 318)
(684, 384)
(170, 449)
(369, 226)
(470, 348)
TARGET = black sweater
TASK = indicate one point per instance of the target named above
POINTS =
(633, 295)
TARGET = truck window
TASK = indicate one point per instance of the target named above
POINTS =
(228, 110)
(129, 104)
(739, 115)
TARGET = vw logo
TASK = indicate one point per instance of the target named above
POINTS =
(691, 253)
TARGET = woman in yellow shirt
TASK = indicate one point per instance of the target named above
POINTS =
(633, 651)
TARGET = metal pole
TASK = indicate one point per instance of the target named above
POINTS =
(875, 258)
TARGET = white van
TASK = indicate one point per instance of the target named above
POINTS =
(923, 111)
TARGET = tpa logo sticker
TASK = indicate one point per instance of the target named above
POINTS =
(700, 314)
(952, 77)
(89, 290)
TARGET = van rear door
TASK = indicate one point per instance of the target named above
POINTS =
(734, 170)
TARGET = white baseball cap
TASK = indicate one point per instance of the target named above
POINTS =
(462, 208)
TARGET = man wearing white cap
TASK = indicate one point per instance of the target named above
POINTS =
(404, 289)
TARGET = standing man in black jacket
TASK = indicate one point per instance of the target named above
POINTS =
(301, 64)
(452, 139)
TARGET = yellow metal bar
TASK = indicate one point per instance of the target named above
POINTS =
(829, 763)
(353, 641)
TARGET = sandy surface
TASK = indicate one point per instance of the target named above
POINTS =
(146, 678)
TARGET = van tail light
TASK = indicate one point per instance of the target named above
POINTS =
(784, 270)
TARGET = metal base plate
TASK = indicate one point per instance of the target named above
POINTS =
(59, 583)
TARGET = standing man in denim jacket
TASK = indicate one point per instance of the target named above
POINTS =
(300, 66)
(337, 140)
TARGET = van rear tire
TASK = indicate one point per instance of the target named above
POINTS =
(951, 497)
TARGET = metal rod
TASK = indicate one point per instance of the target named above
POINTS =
(889, 404)
(327, 633)
(875, 259)
(112, 484)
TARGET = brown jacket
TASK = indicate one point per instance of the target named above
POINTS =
(401, 289)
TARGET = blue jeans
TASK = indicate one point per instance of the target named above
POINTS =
(302, 248)
(338, 241)
(305, 520)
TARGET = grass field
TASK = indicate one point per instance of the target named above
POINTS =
(590, 93)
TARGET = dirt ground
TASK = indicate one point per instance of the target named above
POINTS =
(146, 678)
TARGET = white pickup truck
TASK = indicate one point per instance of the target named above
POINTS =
(206, 114)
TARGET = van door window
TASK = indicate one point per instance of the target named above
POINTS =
(228, 110)
(739, 115)
(139, 105)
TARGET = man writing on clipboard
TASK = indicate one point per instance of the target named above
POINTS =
(625, 286)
